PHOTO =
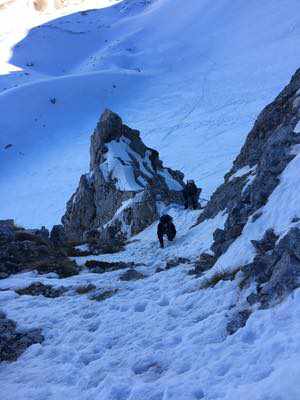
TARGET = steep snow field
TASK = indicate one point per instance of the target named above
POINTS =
(191, 76)
(159, 338)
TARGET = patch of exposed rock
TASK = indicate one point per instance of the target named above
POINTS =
(132, 275)
(126, 185)
(39, 289)
(272, 275)
(84, 289)
(238, 320)
(101, 267)
(14, 342)
(174, 262)
(103, 295)
(275, 269)
(23, 249)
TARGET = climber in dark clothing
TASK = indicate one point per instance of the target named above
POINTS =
(165, 227)
(191, 195)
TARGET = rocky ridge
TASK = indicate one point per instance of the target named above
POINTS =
(247, 187)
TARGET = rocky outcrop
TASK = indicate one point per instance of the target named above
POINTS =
(100, 267)
(247, 187)
(23, 250)
(14, 342)
(132, 275)
(127, 182)
(256, 171)
(275, 269)
(39, 289)
(103, 295)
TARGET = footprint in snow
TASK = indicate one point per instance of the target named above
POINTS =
(93, 326)
(140, 307)
(88, 315)
(164, 301)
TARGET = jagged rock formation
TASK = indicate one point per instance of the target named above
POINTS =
(127, 182)
(246, 189)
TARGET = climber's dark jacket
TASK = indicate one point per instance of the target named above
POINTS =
(165, 227)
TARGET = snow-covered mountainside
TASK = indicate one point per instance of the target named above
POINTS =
(189, 76)
(215, 314)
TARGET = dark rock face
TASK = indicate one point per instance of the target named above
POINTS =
(119, 196)
(276, 269)
(13, 342)
(22, 250)
(39, 289)
(255, 172)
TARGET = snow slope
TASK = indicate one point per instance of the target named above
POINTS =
(191, 76)
(160, 338)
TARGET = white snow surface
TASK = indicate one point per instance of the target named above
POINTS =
(120, 161)
(241, 172)
(191, 76)
(159, 338)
